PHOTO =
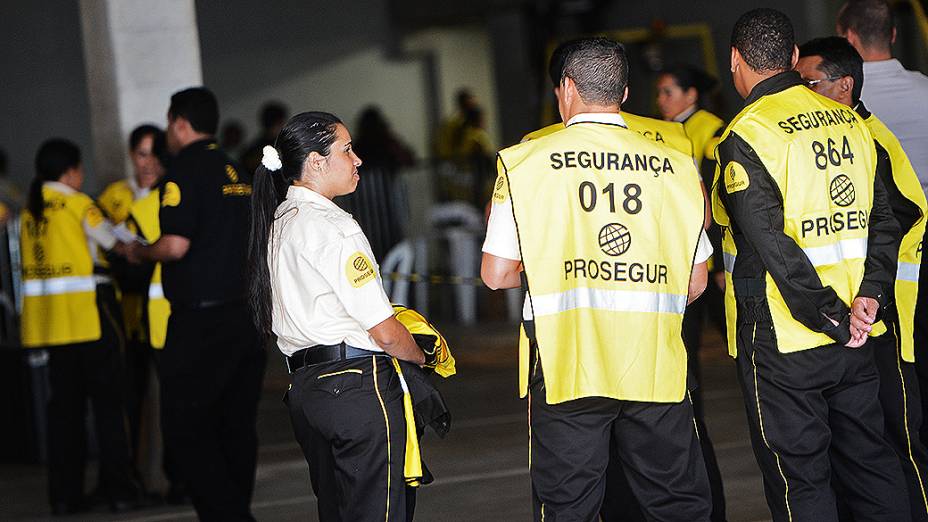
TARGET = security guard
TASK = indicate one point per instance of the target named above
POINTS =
(131, 280)
(316, 286)
(69, 308)
(679, 92)
(606, 355)
(810, 248)
(619, 502)
(833, 68)
(143, 217)
(212, 364)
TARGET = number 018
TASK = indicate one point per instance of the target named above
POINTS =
(589, 195)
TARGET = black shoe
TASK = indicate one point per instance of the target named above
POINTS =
(60, 509)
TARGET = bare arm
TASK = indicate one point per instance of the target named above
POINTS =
(698, 280)
(168, 248)
(396, 340)
(499, 272)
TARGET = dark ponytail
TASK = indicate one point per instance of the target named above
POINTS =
(304, 133)
(54, 157)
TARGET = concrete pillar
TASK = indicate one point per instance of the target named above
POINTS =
(136, 53)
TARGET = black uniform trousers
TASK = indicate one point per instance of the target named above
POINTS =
(656, 443)
(77, 372)
(902, 412)
(212, 368)
(814, 415)
(348, 418)
(619, 503)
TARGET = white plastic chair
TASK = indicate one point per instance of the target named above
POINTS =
(398, 260)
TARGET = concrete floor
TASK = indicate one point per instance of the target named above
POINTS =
(480, 468)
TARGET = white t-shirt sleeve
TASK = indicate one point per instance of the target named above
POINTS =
(348, 265)
(704, 249)
(502, 239)
(98, 228)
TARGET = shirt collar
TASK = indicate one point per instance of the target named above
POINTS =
(137, 191)
(883, 66)
(299, 193)
(776, 83)
(685, 115)
(609, 118)
(59, 186)
(203, 144)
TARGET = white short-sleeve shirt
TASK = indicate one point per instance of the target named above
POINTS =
(503, 241)
(325, 283)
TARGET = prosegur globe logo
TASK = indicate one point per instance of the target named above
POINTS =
(842, 190)
(360, 264)
(614, 239)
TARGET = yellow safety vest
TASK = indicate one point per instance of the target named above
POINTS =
(59, 292)
(910, 251)
(145, 213)
(669, 133)
(608, 225)
(701, 127)
(823, 160)
(116, 201)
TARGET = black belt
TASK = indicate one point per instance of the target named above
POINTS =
(198, 305)
(323, 353)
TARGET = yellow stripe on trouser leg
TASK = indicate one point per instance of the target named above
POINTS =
(905, 418)
(386, 420)
(763, 434)
(412, 467)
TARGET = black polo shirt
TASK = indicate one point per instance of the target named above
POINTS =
(206, 198)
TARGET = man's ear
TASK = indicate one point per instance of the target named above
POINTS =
(795, 58)
(893, 39)
(735, 59)
(568, 90)
(625, 94)
(846, 83)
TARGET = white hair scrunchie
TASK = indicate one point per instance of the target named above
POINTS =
(271, 159)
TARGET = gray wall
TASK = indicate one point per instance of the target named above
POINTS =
(43, 92)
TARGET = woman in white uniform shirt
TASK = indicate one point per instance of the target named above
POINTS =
(316, 286)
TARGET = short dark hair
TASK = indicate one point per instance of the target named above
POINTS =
(689, 77)
(197, 105)
(54, 157)
(872, 20)
(273, 113)
(599, 68)
(139, 133)
(839, 59)
(463, 98)
(558, 56)
(765, 39)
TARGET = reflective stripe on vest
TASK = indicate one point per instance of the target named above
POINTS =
(837, 252)
(609, 300)
(155, 291)
(907, 272)
(58, 285)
